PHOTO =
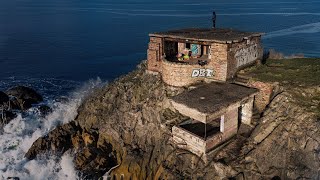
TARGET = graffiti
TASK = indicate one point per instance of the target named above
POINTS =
(246, 55)
(202, 73)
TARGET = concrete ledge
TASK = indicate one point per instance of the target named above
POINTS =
(190, 112)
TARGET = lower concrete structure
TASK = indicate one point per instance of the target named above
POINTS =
(216, 111)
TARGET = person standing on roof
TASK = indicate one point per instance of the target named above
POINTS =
(214, 18)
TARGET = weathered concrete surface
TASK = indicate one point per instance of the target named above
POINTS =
(213, 97)
(205, 34)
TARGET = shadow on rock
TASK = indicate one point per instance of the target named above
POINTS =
(24, 97)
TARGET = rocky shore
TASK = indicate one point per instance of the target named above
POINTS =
(19, 99)
(128, 123)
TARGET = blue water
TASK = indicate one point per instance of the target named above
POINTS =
(68, 42)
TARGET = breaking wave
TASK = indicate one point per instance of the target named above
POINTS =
(21, 132)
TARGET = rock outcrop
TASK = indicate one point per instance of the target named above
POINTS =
(285, 143)
(131, 120)
(24, 97)
(4, 98)
(21, 98)
(57, 141)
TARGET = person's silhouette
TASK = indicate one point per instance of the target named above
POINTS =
(214, 18)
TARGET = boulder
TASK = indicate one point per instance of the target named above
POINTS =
(44, 110)
(4, 98)
(24, 97)
(57, 141)
(6, 116)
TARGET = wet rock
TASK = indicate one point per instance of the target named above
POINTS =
(89, 139)
(6, 116)
(57, 141)
(24, 97)
(4, 98)
(94, 162)
(77, 141)
(44, 110)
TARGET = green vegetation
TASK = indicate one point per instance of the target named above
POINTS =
(305, 71)
(300, 77)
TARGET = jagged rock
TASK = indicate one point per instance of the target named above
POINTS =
(6, 116)
(44, 110)
(24, 97)
(92, 161)
(285, 144)
(133, 114)
(129, 121)
(88, 139)
(223, 170)
(4, 98)
(77, 141)
(57, 141)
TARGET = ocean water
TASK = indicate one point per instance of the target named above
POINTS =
(57, 46)
(79, 40)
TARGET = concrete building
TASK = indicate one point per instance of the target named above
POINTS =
(216, 111)
(216, 108)
(217, 54)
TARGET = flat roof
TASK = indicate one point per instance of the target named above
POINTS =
(213, 97)
(207, 34)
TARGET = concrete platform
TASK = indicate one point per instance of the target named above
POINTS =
(207, 102)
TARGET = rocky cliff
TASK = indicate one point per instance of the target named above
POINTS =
(128, 123)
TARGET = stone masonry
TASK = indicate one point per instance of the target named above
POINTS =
(226, 56)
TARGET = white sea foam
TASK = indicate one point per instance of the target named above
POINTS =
(22, 131)
(306, 28)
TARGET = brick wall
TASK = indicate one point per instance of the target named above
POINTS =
(219, 57)
(243, 54)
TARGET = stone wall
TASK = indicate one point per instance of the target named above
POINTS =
(262, 99)
(219, 58)
(189, 141)
(230, 122)
(213, 141)
(179, 74)
(225, 61)
(154, 53)
(197, 145)
(243, 54)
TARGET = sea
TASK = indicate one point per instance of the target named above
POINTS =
(67, 48)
